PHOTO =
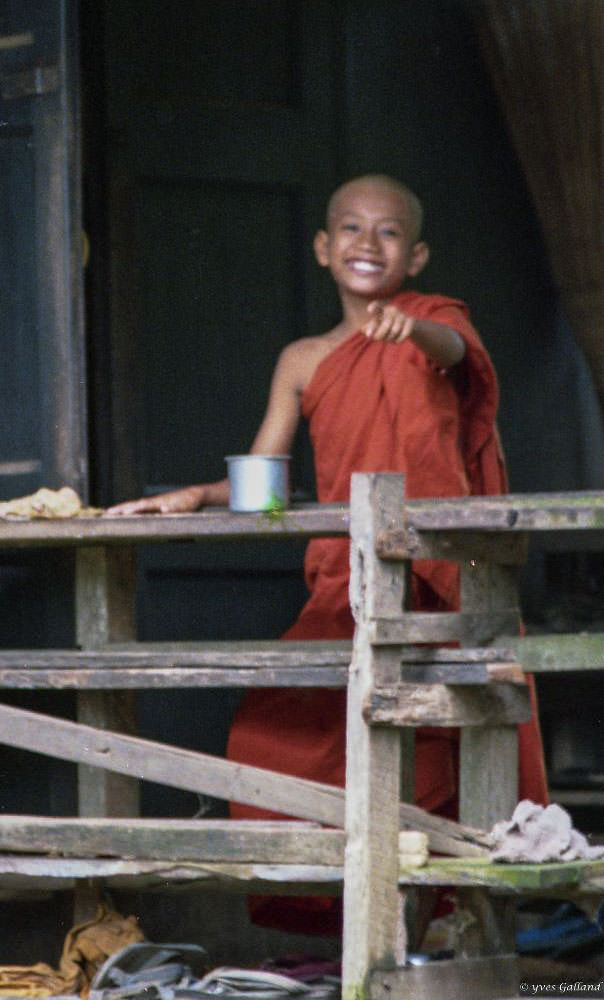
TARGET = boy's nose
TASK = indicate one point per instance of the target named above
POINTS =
(368, 237)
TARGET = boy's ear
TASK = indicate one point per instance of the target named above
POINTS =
(321, 247)
(420, 255)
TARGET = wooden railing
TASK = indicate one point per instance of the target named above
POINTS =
(397, 676)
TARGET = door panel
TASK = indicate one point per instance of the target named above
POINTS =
(209, 311)
(223, 147)
(42, 383)
(221, 139)
(42, 432)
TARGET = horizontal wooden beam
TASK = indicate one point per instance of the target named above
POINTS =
(440, 626)
(22, 875)
(240, 664)
(529, 877)
(514, 512)
(449, 655)
(444, 705)
(443, 665)
(213, 840)
(121, 678)
(409, 543)
(225, 840)
(563, 653)
(304, 520)
(504, 672)
(180, 665)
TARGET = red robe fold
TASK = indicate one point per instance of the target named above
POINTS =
(379, 407)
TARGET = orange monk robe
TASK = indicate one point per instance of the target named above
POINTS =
(379, 407)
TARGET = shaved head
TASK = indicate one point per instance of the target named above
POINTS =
(414, 210)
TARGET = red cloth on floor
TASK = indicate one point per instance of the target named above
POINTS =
(379, 407)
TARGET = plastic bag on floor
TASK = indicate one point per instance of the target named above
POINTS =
(251, 984)
(149, 970)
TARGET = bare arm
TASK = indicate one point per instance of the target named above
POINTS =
(182, 501)
(441, 344)
(274, 436)
(279, 424)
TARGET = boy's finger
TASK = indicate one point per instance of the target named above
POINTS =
(407, 329)
(383, 328)
(396, 325)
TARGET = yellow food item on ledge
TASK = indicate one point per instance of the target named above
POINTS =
(47, 503)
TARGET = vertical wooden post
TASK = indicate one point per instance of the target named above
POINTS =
(374, 934)
(105, 612)
(488, 784)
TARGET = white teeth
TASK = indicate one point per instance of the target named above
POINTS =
(366, 266)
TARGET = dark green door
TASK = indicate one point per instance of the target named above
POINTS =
(220, 142)
(42, 377)
(42, 429)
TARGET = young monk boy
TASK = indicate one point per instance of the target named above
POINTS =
(401, 383)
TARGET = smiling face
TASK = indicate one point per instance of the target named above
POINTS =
(371, 242)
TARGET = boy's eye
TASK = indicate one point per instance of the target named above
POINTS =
(388, 231)
(351, 227)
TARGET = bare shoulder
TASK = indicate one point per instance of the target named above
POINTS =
(300, 358)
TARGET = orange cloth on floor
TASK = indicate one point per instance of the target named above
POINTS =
(380, 407)
(86, 947)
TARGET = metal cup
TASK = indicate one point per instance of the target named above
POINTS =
(258, 482)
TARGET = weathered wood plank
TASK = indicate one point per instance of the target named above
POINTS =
(105, 582)
(515, 512)
(151, 761)
(558, 653)
(444, 835)
(485, 978)
(468, 665)
(554, 512)
(488, 781)
(488, 754)
(491, 925)
(271, 842)
(409, 543)
(237, 654)
(462, 673)
(21, 872)
(219, 664)
(489, 598)
(437, 627)
(105, 585)
(513, 878)
(113, 679)
(374, 932)
(244, 654)
(215, 840)
(446, 705)
(446, 655)
(304, 520)
(213, 776)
